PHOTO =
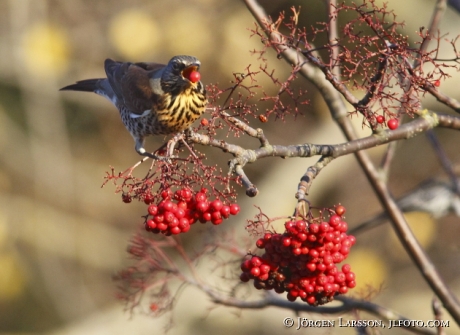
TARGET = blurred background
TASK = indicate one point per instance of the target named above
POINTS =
(62, 237)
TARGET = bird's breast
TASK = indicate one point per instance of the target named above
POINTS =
(177, 112)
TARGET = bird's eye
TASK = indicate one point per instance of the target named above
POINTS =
(177, 66)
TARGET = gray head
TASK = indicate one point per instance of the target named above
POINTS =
(174, 77)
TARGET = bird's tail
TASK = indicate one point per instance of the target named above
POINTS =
(88, 85)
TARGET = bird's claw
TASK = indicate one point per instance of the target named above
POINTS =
(166, 159)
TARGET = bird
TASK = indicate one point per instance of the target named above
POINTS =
(152, 98)
(432, 196)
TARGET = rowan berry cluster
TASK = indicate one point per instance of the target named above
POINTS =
(178, 211)
(303, 260)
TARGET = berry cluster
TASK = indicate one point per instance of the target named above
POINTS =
(176, 212)
(302, 261)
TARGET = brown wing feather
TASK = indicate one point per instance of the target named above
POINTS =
(150, 66)
(131, 83)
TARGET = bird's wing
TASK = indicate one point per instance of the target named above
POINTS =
(131, 84)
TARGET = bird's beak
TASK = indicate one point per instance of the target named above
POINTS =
(189, 69)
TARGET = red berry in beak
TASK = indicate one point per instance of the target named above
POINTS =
(194, 76)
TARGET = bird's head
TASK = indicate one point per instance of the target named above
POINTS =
(180, 74)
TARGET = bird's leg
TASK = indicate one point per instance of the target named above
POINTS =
(179, 137)
(141, 151)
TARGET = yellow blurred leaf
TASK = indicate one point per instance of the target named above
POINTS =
(424, 227)
(12, 279)
(368, 267)
(186, 34)
(134, 34)
(45, 50)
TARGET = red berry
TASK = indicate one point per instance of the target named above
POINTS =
(313, 253)
(194, 76)
(338, 257)
(328, 287)
(260, 243)
(126, 198)
(225, 211)
(159, 218)
(351, 284)
(244, 277)
(263, 277)
(255, 272)
(206, 216)
(311, 300)
(151, 224)
(216, 205)
(204, 122)
(302, 294)
(343, 289)
(183, 194)
(217, 221)
(322, 280)
(179, 213)
(350, 276)
(286, 241)
(183, 224)
(393, 124)
(256, 261)
(246, 265)
(309, 288)
(311, 237)
(311, 266)
(174, 222)
(339, 277)
(264, 268)
(340, 210)
(302, 237)
(148, 198)
(200, 197)
(352, 239)
(313, 228)
(329, 236)
(328, 259)
(262, 118)
(169, 217)
(301, 225)
(343, 227)
(182, 204)
(153, 210)
(297, 251)
(202, 206)
(346, 268)
(380, 119)
(166, 206)
(334, 220)
(324, 227)
(162, 226)
(234, 209)
(166, 194)
(175, 230)
(291, 298)
(216, 216)
(437, 83)
(344, 250)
